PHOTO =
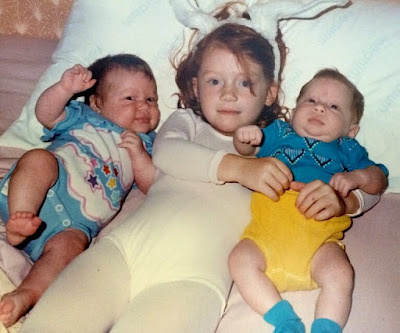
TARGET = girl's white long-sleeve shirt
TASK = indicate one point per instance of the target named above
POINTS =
(189, 222)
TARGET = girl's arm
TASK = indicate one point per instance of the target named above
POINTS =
(176, 154)
(51, 103)
(364, 202)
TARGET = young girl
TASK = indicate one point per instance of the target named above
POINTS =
(164, 269)
(58, 198)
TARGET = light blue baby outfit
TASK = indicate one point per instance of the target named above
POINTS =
(95, 175)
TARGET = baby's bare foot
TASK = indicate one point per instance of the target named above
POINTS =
(14, 305)
(20, 226)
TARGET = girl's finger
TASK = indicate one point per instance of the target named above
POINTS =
(276, 185)
(314, 209)
(324, 214)
(269, 192)
(307, 195)
(285, 170)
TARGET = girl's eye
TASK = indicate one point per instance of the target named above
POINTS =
(245, 83)
(214, 82)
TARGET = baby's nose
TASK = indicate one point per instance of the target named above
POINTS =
(320, 107)
(143, 105)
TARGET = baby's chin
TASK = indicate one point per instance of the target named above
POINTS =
(142, 128)
(315, 135)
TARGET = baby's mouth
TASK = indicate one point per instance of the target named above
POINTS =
(316, 121)
(143, 120)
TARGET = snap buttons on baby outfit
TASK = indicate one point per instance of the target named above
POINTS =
(66, 222)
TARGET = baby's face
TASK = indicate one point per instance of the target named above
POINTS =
(129, 99)
(324, 111)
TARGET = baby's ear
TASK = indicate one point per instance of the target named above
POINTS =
(272, 93)
(290, 113)
(195, 86)
(95, 103)
(353, 130)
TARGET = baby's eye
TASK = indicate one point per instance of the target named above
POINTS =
(151, 100)
(334, 107)
(311, 100)
(131, 98)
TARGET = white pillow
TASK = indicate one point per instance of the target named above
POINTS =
(362, 41)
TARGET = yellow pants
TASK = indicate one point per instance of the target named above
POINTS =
(289, 240)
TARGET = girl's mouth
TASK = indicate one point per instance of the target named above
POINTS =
(228, 111)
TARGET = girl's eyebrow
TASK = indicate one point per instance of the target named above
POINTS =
(208, 72)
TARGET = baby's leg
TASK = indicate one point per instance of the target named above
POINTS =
(35, 172)
(58, 252)
(247, 265)
(87, 297)
(331, 269)
(175, 307)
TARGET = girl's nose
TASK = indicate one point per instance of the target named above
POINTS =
(228, 93)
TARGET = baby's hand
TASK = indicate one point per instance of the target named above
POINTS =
(250, 134)
(77, 79)
(318, 200)
(344, 182)
(133, 143)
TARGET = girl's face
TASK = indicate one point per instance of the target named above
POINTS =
(222, 88)
(129, 99)
(323, 112)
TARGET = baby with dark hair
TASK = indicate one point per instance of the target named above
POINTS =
(59, 198)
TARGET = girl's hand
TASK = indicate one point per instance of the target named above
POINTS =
(133, 143)
(77, 79)
(267, 175)
(318, 200)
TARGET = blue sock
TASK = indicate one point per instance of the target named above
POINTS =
(284, 319)
(325, 325)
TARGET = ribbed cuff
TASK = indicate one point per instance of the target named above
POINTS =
(214, 165)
